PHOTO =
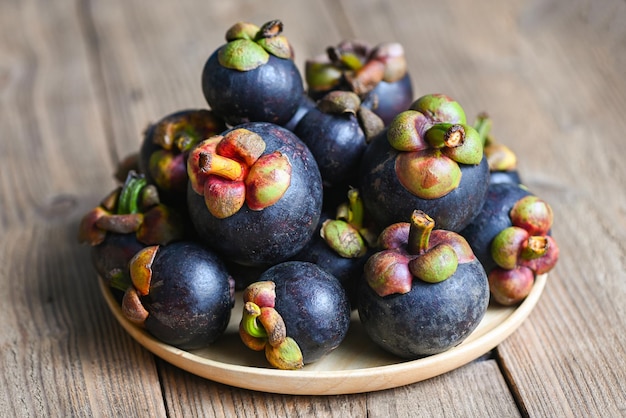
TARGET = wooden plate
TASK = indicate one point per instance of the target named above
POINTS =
(356, 366)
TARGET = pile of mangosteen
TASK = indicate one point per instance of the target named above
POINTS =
(312, 197)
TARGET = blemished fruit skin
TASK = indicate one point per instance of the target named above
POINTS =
(269, 93)
(492, 218)
(275, 233)
(189, 301)
(431, 317)
(313, 305)
(387, 201)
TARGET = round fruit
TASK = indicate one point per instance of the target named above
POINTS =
(302, 311)
(424, 293)
(181, 293)
(255, 193)
(253, 77)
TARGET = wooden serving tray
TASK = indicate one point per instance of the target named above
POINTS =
(356, 366)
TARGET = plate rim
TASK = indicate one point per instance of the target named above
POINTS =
(331, 382)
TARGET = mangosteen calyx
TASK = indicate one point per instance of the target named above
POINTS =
(339, 102)
(134, 208)
(432, 139)
(249, 46)
(356, 64)
(499, 156)
(231, 170)
(263, 328)
(527, 242)
(415, 250)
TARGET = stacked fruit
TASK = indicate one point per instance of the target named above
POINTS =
(349, 195)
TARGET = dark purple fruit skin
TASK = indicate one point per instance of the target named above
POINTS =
(313, 305)
(492, 218)
(337, 143)
(387, 201)
(110, 258)
(306, 104)
(271, 235)
(270, 93)
(189, 301)
(512, 177)
(347, 270)
(429, 319)
(389, 99)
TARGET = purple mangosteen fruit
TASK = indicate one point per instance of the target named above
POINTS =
(378, 75)
(297, 313)
(253, 77)
(127, 220)
(166, 144)
(181, 293)
(511, 237)
(255, 193)
(337, 132)
(428, 158)
(424, 292)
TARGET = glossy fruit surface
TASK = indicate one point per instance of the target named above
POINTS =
(182, 294)
(313, 306)
(424, 292)
(272, 234)
(388, 201)
(253, 77)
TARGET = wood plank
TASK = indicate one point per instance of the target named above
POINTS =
(477, 389)
(63, 353)
(49, 115)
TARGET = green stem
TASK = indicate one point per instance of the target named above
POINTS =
(445, 134)
(355, 214)
(129, 197)
(249, 321)
(419, 232)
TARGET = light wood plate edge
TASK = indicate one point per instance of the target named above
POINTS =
(336, 382)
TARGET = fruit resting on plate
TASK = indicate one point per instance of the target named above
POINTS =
(249, 194)
(181, 293)
(297, 313)
(424, 292)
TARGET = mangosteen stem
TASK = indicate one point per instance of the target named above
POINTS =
(250, 323)
(419, 232)
(212, 163)
(445, 134)
(130, 195)
(535, 247)
(270, 29)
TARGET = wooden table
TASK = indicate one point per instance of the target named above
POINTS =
(80, 80)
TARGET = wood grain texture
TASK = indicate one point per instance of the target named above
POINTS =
(80, 80)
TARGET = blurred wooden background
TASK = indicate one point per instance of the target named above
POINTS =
(80, 80)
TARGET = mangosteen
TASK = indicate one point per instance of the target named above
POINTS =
(297, 313)
(337, 131)
(511, 236)
(429, 159)
(342, 244)
(255, 193)
(424, 292)
(253, 78)
(166, 144)
(127, 220)
(306, 104)
(378, 75)
(181, 293)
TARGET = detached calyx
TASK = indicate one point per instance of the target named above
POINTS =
(232, 169)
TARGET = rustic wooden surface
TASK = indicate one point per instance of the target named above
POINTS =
(79, 81)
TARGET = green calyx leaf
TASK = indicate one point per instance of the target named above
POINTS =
(435, 265)
(242, 55)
